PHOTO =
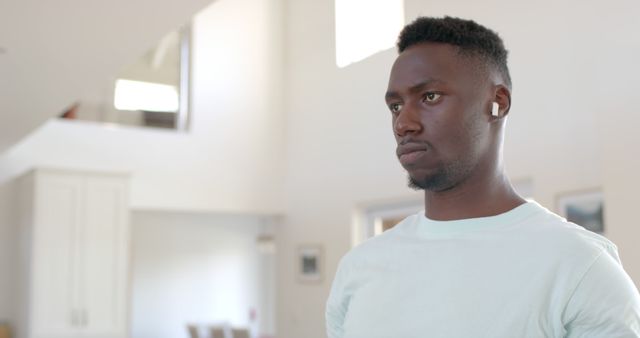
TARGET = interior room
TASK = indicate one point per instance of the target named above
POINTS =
(222, 206)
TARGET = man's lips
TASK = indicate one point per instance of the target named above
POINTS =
(409, 153)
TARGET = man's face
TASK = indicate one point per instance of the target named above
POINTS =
(439, 102)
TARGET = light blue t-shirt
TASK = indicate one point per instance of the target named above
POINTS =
(524, 273)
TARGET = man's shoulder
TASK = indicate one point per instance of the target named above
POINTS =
(561, 232)
(549, 240)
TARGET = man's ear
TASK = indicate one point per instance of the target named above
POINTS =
(502, 96)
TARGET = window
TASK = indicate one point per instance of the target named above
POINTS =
(155, 86)
(365, 27)
(146, 96)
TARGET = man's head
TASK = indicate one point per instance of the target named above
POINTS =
(441, 90)
(472, 40)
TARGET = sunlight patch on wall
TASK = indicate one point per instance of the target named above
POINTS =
(365, 27)
(145, 96)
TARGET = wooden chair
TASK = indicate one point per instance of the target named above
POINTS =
(240, 333)
(4, 331)
(193, 331)
(217, 332)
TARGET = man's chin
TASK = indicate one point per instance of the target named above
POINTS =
(415, 184)
(437, 182)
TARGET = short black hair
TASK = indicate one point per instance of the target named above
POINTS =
(470, 37)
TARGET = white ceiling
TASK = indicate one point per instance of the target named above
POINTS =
(55, 52)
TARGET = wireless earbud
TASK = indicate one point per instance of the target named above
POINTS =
(495, 109)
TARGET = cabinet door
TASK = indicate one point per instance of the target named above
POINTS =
(104, 242)
(58, 210)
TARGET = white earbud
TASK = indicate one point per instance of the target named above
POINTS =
(495, 109)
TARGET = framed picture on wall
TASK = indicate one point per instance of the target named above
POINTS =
(310, 263)
(585, 208)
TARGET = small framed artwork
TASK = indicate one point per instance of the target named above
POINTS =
(310, 263)
(585, 208)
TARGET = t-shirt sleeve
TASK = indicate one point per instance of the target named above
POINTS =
(338, 302)
(605, 303)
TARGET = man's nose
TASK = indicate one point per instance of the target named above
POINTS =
(408, 121)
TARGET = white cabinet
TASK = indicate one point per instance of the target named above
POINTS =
(75, 251)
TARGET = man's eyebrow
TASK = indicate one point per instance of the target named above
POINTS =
(415, 88)
(391, 95)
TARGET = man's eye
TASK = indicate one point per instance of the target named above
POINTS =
(431, 97)
(395, 107)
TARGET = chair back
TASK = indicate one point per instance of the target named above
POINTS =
(240, 333)
(217, 332)
(193, 331)
(4, 331)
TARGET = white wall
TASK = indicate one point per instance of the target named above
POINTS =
(341, 150)
(8, 252)
(230, 161)
(57, 52)
(619, 118)
(199, 268)
(232, 158)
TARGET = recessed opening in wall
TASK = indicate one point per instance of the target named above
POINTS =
(365, 27)
(150, 91)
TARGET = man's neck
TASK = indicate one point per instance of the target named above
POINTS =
(472, 199)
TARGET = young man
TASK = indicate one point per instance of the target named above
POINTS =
(480, 261)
